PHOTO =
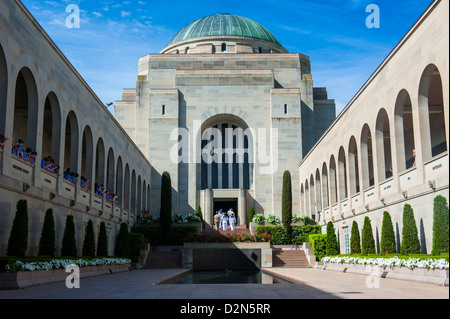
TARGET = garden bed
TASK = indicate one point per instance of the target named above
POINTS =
(427, 271)
(34, 274)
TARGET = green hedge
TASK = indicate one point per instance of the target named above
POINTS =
(136, 241)
(279, 236)
(318, 245)
(176, 235)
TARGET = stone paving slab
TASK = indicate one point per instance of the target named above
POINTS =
(316, 284)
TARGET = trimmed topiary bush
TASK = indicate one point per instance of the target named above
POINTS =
(355, 239)
(136, 244)
(102, 243)
(18, 238)
(318, 245)
(69, 244)
(410, 239)
(123, 242)
(47, 243)
(332, 245)
(440, 226)
(89, 240)
(286, 203)
(165, 212)
(251, 214)
(368, 242)
(387, 245)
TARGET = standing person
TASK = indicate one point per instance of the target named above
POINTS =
(217, 221)
(232, 220)
(225, 222)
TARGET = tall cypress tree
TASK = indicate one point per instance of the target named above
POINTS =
(286, 203)
(387, 245)
(368, 242)
(410, 236)
(355, 239)
(102, 243)
(165, 213)
(440, 226)
(89, 240)
(332, 245)
(47, 244)
(69, 244)
(18, 238)
(123, 242)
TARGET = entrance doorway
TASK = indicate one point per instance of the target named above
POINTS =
(225, 204)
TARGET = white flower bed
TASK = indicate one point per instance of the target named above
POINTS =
(390, 262)
(63, 263)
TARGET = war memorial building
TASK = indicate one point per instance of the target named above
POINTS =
(225, 89)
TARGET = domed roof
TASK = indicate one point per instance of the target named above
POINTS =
(223, 24)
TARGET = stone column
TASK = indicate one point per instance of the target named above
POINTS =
(209, 197)
(242, 206)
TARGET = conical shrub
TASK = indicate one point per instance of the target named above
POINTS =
(123, 242)
(440, 226)
(69, 244)
(47, 243)
(102, 243)
(355, 239)
(368, 242)
(286, 203)
(165, 213)
(410, 236)
(331, 244)
(18, 238)
(89, 240)
(387, 245)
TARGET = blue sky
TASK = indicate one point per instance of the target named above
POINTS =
(114, 34)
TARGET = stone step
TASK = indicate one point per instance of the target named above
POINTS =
(289, 259)
(163, 260)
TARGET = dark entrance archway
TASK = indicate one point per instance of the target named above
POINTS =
(225, 204)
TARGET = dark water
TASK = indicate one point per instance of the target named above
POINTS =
(224, 277)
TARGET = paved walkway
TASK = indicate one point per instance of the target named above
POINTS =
(316, 284)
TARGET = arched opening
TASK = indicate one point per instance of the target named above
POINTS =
(353, 167)
(431, 106)
(139, 196)
(224, 47)
(51, 132)
(126, 189)
(313, 198)
(144, 195)
(325, 193)
(26, 109)
(307, 199)
(110, 172)
(148, 196)
(186, 50)
(133, 191)
(404, 132)
(342, 173)
(318, 191)
(3, 91)
(383, 142)
(227, 154)
(71, 143)
(367, 158)
(87, 156)
(119, 182)
(333, 181)
(302, 200)
(100, 163)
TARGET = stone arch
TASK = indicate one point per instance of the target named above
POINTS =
(100, 163)
(51, 131)
(383, 145)
(71, 143)
(87, 154)
(342, 174)
(3, 91)
(367, 169)
(333, 181)
(404, 131)
(353, 162)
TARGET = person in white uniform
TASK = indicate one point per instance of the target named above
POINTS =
(232, 220)
(225, 222)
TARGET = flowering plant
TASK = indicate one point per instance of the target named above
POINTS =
(259, 218)
(390, 262)
(63, 263)
(275, 220)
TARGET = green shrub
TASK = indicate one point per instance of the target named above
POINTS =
(387, 245)
(89, 240)
(410, 239)
(136, 244)
(279, 236)
(286, 203)
(440, 226)
(318, 245)
(176, 235)
(165, 213)
(18, 238)
(102, 242)
(199, 214)
(355, 239)
(332, 245)
(47, 243)
(69, 244)
(123, 242)
(251, 214)
(272, 219)
(259, 218)
(368, 242)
